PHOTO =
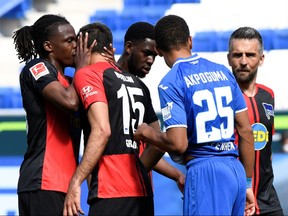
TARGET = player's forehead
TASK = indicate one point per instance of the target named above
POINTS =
(245, 45)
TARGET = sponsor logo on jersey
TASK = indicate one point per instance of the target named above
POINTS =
(268, 110)
(261, 135)
(38, 70)
(88, 91)
(163, 87)
(166, 114)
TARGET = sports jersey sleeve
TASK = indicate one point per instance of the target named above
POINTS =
(89, 86)
(40, 73)
(171, 100)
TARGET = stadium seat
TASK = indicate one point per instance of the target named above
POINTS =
(128, 16)
(267, 38)
(140, 3)
(118, 41)
(5, 97)
(222, 40)
(69, 71)
(204, 41)
(16, 98)
(107, 17)
(280, 39)
(153, 14)
(187, 1)
(14, 8)
(166, 3)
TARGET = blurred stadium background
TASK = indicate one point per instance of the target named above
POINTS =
(211, 23)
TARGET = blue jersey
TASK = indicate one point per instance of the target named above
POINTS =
(204, 97)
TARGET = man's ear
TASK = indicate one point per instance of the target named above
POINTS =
(158, 51)
(190, 42)
(47, 46)
(128, 47)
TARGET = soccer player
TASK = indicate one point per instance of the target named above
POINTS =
(47, 47)
(201, 105)
(116, 102)
(245, 56)
(137, 58)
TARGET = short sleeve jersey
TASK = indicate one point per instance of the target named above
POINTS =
(119, 173)
(261, 115)
(49, 161)
(204, 97)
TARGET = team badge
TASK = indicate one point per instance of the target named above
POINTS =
(166, 114)
(268, 110)
(38, 70)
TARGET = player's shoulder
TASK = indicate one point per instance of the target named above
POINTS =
(39, 67)
(265, 88)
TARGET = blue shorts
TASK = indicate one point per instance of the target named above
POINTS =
(215, 186)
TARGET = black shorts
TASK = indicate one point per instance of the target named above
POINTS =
(41, 203)
(140, 206)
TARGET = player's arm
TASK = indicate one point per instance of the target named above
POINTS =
(151, 155)
(246, 155)
(63, 98)
(166, 169)
(100, 132)
(173, 140)
(162, 167)
(246, 142)
(67, 98)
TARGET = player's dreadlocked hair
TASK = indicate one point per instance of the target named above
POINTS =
(29, 40)
(139, 31)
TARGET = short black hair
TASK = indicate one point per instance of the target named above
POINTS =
(171, 32)
(139, 31)
(247, 32)
(29, 40)
(100, 32)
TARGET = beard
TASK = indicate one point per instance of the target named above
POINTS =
(134, 70)
(245, 77)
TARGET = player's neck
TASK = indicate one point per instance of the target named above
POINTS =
(249, 89)
(97, 57)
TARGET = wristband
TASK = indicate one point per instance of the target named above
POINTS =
(248, 182)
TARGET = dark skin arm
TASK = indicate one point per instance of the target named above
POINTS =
(152, 158)
(246, 155)
(66, 99)
(173, 140)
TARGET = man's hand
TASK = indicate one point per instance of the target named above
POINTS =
(83, 54)
(72, 202)
(138, 135)
(109, 54)
(250, 203)
(180, 182)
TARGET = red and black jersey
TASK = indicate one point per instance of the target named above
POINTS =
(49, 161)
(119, 172)
(261, 115)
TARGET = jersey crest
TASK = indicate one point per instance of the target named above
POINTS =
(38, 70)
(268, 110)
